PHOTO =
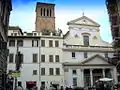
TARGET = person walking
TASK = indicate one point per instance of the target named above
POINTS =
(19, 87)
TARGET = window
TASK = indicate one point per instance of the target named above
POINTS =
(11, 55)
(34, 72)
(41, 11)
(43, 83)
(12, 43)
(50, 43)
(76, 36)
(20, 83)
(20, 43)
(34, 43)
(15, 34)
(34, 34)
(50, 58)
(47, 12)
(74, 72)
(73, 54)
(106, 55)
(50, 12)
(86, 41)
(74, 81)
(35, 57)
(42, 58)
(11, 34)
(50, 71)
(44, 11)
(56, 43)
(85, 55)
(43, 43)
(57, 71)
(42, 71)
(66, 70)
(56, 58)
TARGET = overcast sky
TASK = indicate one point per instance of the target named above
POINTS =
(23, 14)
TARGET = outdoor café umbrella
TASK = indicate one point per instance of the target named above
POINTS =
(105, 79)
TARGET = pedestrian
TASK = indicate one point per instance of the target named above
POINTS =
(66, 88)
(61, 88)
(102, 86)
(42, 88)
(19, 87)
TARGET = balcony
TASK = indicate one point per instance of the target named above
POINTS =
(89, 48)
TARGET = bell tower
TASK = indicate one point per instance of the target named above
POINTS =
(45, 16)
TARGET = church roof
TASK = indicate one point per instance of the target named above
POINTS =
(86, 62)
(83, 21)
(94, 56)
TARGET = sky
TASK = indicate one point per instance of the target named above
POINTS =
(23, 14)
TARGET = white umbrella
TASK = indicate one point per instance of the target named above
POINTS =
(105, 79)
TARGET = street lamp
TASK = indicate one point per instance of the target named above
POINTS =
(18, 62)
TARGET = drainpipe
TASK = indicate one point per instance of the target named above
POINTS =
(39, 64)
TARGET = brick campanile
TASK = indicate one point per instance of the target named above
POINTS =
(45, 17)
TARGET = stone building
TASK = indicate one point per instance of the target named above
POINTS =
(5, 8)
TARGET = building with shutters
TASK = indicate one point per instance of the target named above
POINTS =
(51, 58)
(5, 8)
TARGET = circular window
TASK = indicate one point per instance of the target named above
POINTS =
(94, 37)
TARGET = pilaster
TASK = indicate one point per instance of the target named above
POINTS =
(91, 77)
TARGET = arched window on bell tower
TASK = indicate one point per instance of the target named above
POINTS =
(41, 12)
(50, 12)
(44, 11)
(47, 12)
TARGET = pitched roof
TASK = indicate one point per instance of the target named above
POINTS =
(83, 17)
(94, 56)
(87, 60)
